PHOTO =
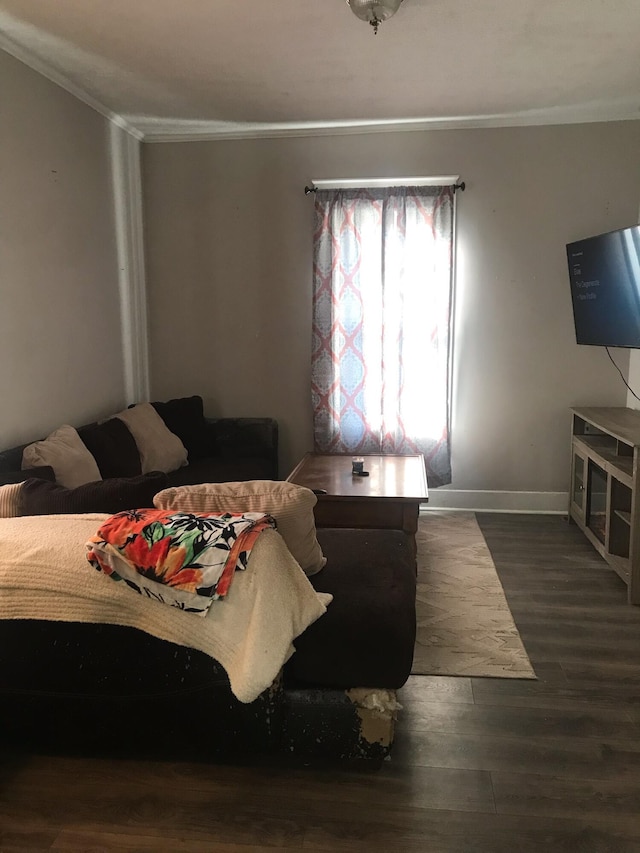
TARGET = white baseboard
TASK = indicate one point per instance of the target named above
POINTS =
(480, 501)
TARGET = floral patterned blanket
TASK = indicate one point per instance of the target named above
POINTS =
(184, 559)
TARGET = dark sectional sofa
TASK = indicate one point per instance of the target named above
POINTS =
(105, 688)
(74, 685)
(220, 449)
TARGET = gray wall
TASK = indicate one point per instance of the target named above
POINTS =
(633, 394)
(60, 340)
(634, 380)
(229, 254)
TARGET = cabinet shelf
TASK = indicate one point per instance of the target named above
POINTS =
(605, 479)
(625, 516)
(606, 455)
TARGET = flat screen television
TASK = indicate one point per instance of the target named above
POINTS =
(604, 273)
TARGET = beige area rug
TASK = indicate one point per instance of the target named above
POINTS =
(465, 626)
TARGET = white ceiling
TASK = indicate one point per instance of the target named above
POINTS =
(289, 62)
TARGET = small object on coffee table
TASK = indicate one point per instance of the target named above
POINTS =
(357, 466)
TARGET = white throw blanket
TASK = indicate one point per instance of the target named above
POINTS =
(44, 574)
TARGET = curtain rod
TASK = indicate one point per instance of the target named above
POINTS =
(366, 183)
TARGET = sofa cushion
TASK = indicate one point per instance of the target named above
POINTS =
(184, 416)
(367, 635)
(44, 472)
(65, 452)
(290, 505)
(10, 500)
(220, 469)
(38, 497)
(113, 447)
(11, 459)
(159, 448)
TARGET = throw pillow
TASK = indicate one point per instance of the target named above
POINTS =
(64, 451)
(10, 500)
(290, 505)
(113, 447)
(184, 416)
(44, 472)
(38, 497)
(159, 448)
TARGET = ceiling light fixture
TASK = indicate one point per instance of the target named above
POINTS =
(374, 11)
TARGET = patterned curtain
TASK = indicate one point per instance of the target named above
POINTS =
(381, 323)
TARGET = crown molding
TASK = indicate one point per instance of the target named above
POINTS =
(41, 66)
(153, 129)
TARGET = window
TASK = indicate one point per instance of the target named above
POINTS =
(381, 322)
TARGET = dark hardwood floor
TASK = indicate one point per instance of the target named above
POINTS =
(491, 765)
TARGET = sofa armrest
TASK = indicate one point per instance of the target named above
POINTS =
(246, 437)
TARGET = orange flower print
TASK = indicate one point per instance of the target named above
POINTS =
(148, 558)
(176, 574)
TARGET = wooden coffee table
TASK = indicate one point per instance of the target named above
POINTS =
(389, 497)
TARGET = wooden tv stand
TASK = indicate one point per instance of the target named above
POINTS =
(604, 497)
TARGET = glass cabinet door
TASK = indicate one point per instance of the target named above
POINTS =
(578, 483)
(597, 501)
